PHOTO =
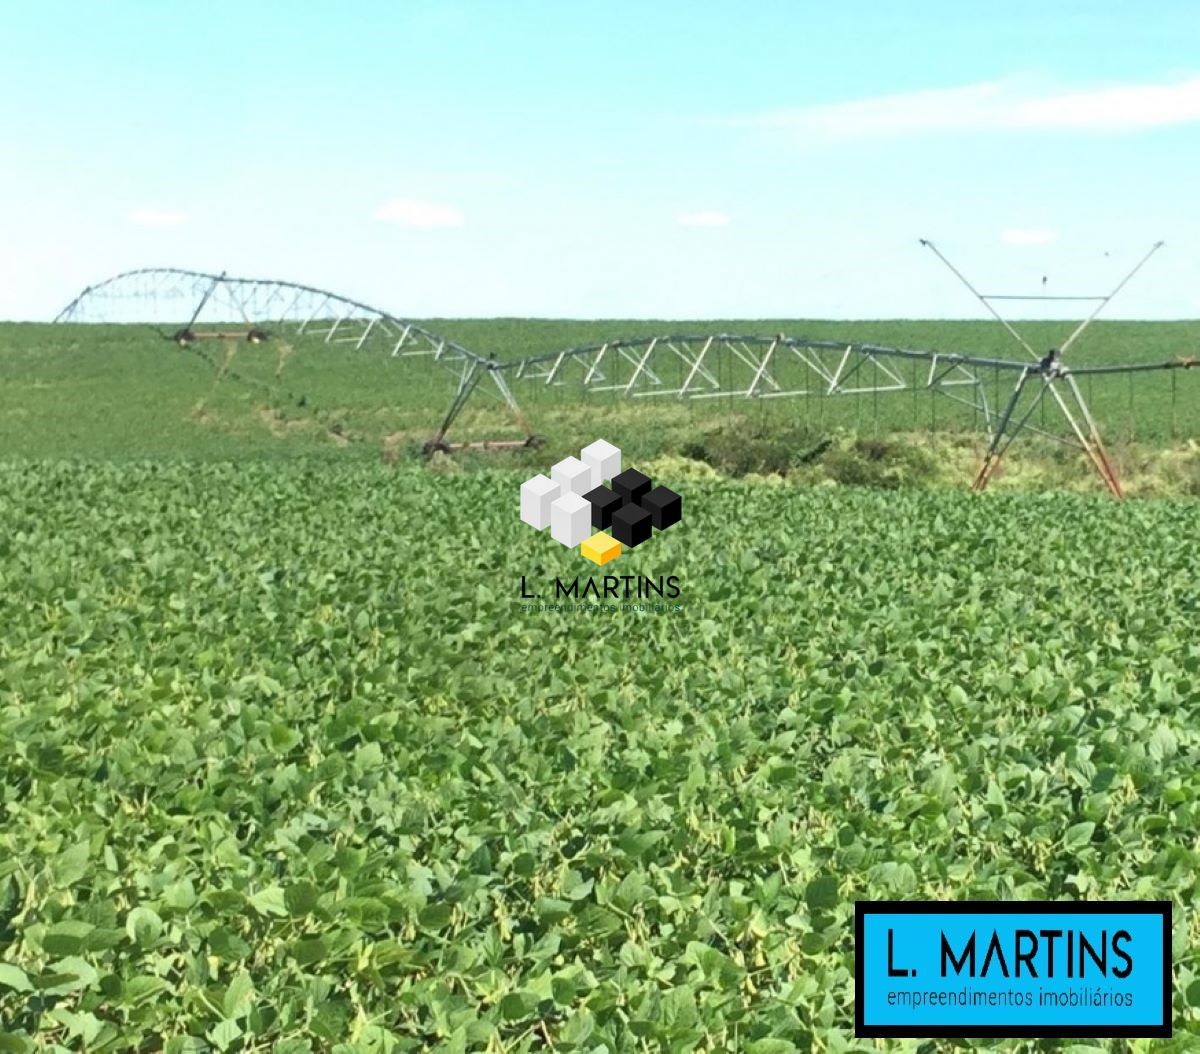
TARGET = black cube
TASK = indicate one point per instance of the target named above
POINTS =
(664, 505)
(631, 485)
(604, 504)
(631, 525)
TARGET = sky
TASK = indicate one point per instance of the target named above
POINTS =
(676, 160)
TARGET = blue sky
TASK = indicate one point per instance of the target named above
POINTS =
(619, 159)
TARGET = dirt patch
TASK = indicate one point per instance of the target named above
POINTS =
(280, 426)
(275, 423)
(283, 352)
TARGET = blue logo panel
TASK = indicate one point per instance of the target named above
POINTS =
(1011, 968)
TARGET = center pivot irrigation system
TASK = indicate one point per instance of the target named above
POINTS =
(682, 367)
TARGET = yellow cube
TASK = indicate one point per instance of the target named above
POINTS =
(601, 548)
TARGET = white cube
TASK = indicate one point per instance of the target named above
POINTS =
(571, 519)
(573, 475)
(604, 459)
(537, 495)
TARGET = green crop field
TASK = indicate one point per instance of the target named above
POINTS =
(285, 763)
(124, 391)
(288, 764)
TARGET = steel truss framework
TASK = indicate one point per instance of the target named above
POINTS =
(188, 300)
(1056, 380)
(683, 367)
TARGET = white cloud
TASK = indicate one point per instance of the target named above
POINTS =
(1001, 105)
(425, 214)
(158, 217)
(1123, 108)
(1028, 236)
(703, 218)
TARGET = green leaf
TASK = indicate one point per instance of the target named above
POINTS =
(66, 938)
(821, 894)
(515, 1006)
(578, 1027)
(14, 977)
(270, 901)
(436, 917)
(227, 945)
(368, 913)
(596, 922)
(69, 974)
(239, 994)
(563, 990)
(69, 866)
(551, 909)
(309, 950)
(575, 887)
(1163, 743)
(56, 981)
(1193, 993)
(225, 1034)
(679, 1009)
(1078, 835)
(83, 1026)
(180, 895)
(143, 926)
(143, 989)
(104, 938)
(300, 898)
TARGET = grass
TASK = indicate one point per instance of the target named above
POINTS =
(122, 391)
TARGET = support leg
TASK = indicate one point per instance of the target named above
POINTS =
(1091, 441)
(513, 405)
(992, 457)
(467, 383)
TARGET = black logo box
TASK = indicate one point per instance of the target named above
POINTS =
(863, 908)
